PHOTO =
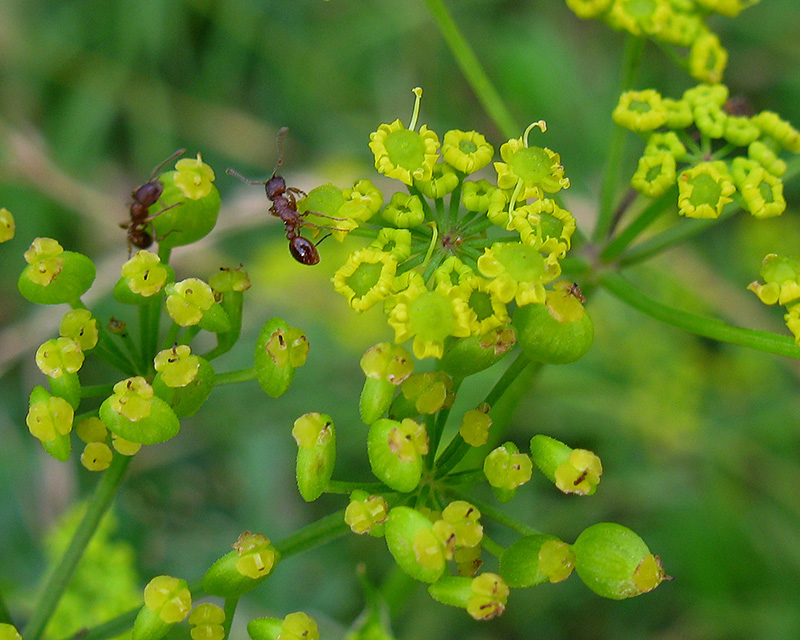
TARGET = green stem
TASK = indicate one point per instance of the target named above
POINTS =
(699, 325)
(240, 375)
(472, 70)
(630, 66)
(5, 614)
(491, 546)
(649, 215)
(171, 338)
(499, 516)
(344, 487)
(230, 610)
(313, 535)
(96, 390)
(58, 579)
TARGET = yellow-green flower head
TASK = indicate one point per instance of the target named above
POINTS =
(366, 278)
(97, 456)
(404, 210)
(427, 316)
(362, 202)
(781, 276)
(766, 157)
(580, 473)
(408, 440)
(506, 468)
(91, 429)
(169, 597)
(451, 273)
(489, 597)
(44, 255)
(430, 391)
(655, 174)
(123, 446)
(465, 521)
(710, 120)
(792, 319)
(7, 225)
(80, 326)
(177, 366)
(404, 154)
(639, 16)
(324, 204)
(678, 113)
(230, 280)
(443, 181)
(146, 275)
(194, 178)
(667, 142)
(546, 226)
(729, 8)
(498, 208)
(517, 272)
(187, 300)
(640, 110)
(49, 418)
(394, 241)
(475, 426)
(762, 192)
(366, 513)
(703, 190)
(588, 9)
(681, 28)
(466, 151)
(256, 555)
(707, 58)
(132, 398)
(707, 94)
(741, 130)
(485, 310)
(538, 168)
(298, 626)
(475, 195)
(386, 361)
(773, 126)
(206, 620)
(59, 356)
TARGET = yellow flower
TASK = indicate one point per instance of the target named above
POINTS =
(404, 154)
(366, 278)
(466, 151)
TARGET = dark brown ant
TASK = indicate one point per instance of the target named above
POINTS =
(144, 197)
(284, 206)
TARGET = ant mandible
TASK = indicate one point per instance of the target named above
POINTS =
(284, 206)
(143, 198)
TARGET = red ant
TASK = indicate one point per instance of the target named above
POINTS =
(284, 206)
(144, 197)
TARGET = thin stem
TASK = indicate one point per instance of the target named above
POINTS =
(96, 390)
(634, 46)
(499, 516)
(345, 487)
(230, 610)
(491, 546)
(699, 325)
(313, 535)
(472, 70)
(240, 375)
(58, 579)
(649, 215)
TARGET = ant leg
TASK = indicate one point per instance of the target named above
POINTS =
(155, 215)
(321, 215)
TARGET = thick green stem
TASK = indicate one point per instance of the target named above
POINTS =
(472, 69)
(313, 535)
(630, 66)
(58, 579)
(699, 325)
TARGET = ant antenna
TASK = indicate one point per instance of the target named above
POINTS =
(279, 142)
(156, 171)
(234, 172)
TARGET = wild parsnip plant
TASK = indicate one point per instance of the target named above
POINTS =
(477, 264)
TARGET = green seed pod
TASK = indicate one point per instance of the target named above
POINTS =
(575, 471)
(385, 366)
(190, 219)
(134, 413)
(185, 398)
(615, 562)
(279, 350)
(466, 356)
(67, 386)
(316, 453)
(452, 590)
(414, 545)
(229, 286)
(264, 628)
(556, 332)
(395, 452)
(250, 563)
(536, 559)
(295, 626)
(62, 278)
(50, 420)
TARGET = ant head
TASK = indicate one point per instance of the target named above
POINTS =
(148, 193)
(275, 186)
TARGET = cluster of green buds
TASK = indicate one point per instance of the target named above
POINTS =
(454, 255)
(163, 380)
(672, 23)
(781, 275)
(724, 155)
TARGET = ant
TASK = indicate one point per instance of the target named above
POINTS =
(284, 206)
(143, 198)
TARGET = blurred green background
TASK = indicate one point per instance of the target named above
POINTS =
(700, 442)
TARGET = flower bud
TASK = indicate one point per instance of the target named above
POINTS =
(7, 228)
(470, 355)
(136, 414)
(50, 420)
(97, 456)
(395, 452)
(506, 470)
(536, 559)
(429, 392)
(196, 204)
(366, 514)
(53, 275)
(475, 426)
(279, 350)
(206, 620)
(183, 380)
(80, 326)
(143, 279)
(414, 545)
(229, 286)
(385, 366)
(252, 560)
(556, 332)
(295, 626)
(615, 562)
(191, 302)
(571, 470)
(167, 601)
(316, 453)
(484, 597)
